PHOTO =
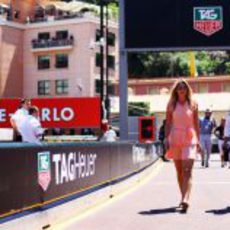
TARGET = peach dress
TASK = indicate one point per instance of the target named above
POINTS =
(183, 138)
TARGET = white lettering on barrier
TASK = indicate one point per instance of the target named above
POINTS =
(69, 167)
(2, 115)
(138, 154)
(65, 114)
(64, 171)
(45, 114)
(55, 115)
(71, 171)
(56, 160)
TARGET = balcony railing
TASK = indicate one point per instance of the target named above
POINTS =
(46, 18)
(50, 43)
(78, 15)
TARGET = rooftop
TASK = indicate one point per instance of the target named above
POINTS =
(48, 10)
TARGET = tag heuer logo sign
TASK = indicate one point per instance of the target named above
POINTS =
(44, 172)
(208, 20)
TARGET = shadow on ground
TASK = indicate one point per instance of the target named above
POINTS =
(159, 211)
(223, 211)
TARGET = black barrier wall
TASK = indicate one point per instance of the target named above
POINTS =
(32, 176)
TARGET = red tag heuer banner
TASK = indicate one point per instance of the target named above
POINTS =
(208, 20)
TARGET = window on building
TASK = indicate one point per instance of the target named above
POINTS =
(98, 60)
(97, 86)
(16, 14)
(203, 88)
(98, 35)
(111, 39)
(43, 87)
(62, 61)
(153, 90)
(62, 34)
(62, 87)
(44, 36)
(44, 62)
(131, 91)
(226, 87)
(111, 89)
(111, 62)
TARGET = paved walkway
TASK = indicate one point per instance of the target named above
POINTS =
(151, 205)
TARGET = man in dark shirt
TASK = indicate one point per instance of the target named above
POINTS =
(161, 137)
(219, 133)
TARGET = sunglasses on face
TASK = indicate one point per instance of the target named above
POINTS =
(181, 87)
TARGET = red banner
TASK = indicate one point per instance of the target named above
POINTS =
(57, 112)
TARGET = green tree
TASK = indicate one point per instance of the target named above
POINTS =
(172, 64)
(138, 109)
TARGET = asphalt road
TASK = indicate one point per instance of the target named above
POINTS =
(151, 205)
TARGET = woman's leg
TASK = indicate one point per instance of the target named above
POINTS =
(187, 166)
(178, 166)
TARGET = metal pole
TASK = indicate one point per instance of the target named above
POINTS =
(11, 14)
(107, 104)
(123, 86)
(102, 55)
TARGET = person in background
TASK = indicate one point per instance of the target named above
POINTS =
(162, 138)
(226, 144)
(17, 118)
(219, 133)
(30, 128)
(206, 127)
(104, 125)
(104, 129)
(110, 135)
(182, 137)
(57, 131)
(87, 131)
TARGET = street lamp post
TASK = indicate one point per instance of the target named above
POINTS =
(107, 102)
(102, 55)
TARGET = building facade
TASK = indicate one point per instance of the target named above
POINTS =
(201, 85)
(54, 56)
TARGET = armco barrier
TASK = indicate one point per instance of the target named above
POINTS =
(36, 177)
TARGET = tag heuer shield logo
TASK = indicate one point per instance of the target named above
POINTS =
(44, 172)
(208, 20)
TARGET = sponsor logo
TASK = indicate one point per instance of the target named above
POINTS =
(154, 150)
(208, 20)
(44, 170)
(139, 154)
(72, 166)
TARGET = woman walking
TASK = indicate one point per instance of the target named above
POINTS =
(182, 137)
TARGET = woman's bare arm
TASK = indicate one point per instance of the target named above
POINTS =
(168, 124)
(196, 121)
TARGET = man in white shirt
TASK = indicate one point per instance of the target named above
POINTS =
(30, 127)
(110, 135)
(17, 118)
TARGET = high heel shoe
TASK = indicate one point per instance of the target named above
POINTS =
(184, 207)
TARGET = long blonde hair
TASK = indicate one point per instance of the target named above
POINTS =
(174, 96)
